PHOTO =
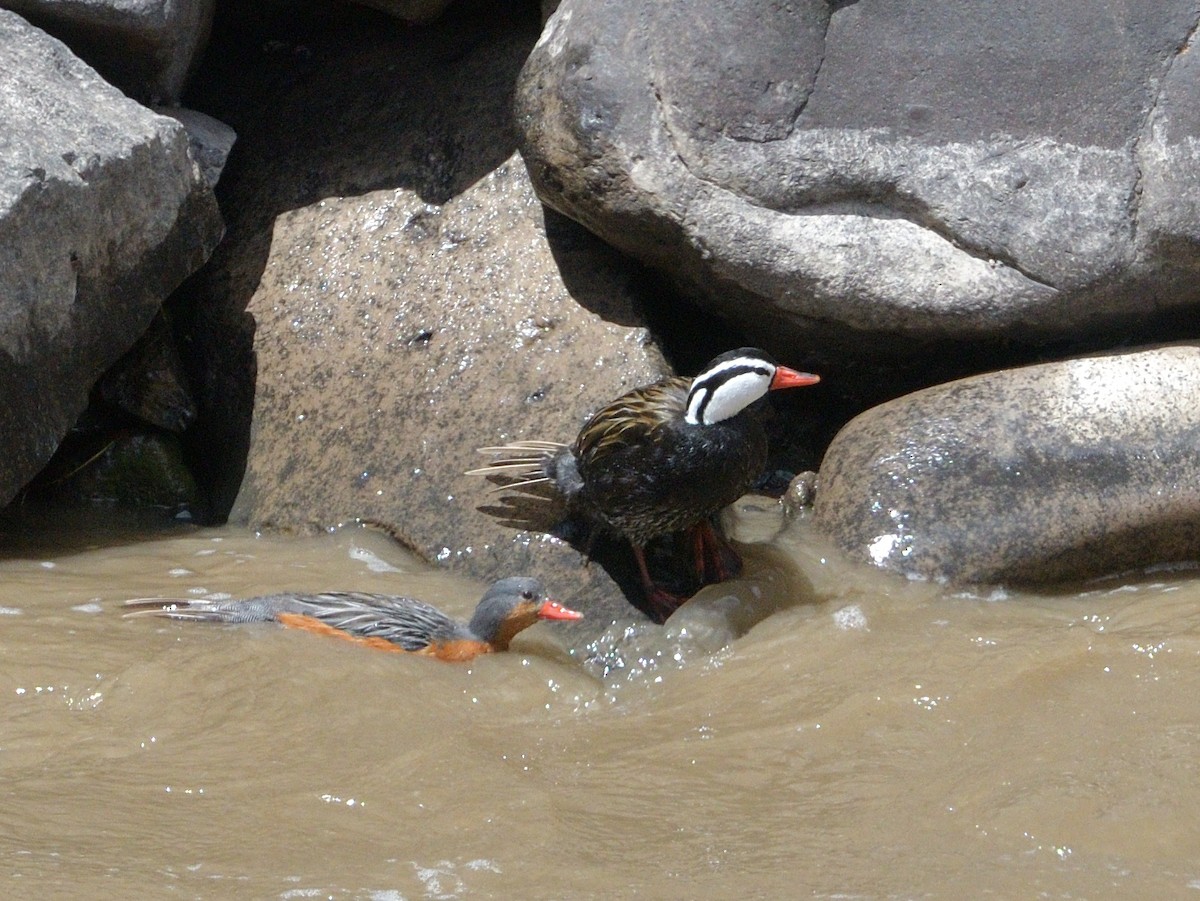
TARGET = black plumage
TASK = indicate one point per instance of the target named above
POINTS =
(662, 458)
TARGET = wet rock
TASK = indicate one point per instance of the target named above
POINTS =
(871, 179)
(801, 492)
(409, 303)
(210, 140)
(102, 215)
(145, 48)
(1061, 471)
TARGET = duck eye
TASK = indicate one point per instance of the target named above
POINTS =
(527, 594)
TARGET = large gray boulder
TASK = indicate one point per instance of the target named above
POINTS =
(1061, 471)
(102, 214)
(145, 47)
(406, 301)
(393, 338)
(874, 178)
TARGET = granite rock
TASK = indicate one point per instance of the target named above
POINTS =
(147, 48)
(1057, 472)
(102, 214)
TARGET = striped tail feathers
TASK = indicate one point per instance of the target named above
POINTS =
(521, 464)
(193, 609)
(517, 447)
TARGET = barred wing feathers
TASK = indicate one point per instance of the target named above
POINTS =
(407, 623)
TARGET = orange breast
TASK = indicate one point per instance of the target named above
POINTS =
(458, 650)
(455, 651)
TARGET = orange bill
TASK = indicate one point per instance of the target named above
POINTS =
(790, 378)
(555, 610)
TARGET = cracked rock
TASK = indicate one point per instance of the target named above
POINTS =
(845, 175)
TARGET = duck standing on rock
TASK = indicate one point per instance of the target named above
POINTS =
(663, 458)
(386, 622)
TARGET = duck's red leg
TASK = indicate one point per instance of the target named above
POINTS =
(700, 554)
(715, 557)
(662, 602)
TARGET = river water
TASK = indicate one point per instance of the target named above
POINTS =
(812, 730)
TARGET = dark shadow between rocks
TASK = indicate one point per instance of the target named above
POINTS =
(587, 264)
(328, 99)
(802, 423)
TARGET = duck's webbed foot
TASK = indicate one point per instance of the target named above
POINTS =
(662, 603)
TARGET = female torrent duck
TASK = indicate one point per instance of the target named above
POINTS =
(383, 621)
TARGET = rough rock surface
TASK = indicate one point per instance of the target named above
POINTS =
(406, 304)
(1055, 472)
(876, 178)
(210, 140)
(409, 10)
(394, 338)
(102, 215)
(145, 47)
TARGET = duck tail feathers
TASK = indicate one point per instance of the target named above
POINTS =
(526, 462)
(180, 609)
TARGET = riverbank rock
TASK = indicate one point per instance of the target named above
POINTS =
(147, 48)
(1050, 473)
(408, 302)
(102, 214)
(873, 179)
(440, 329)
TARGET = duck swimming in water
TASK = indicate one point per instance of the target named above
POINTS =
(662, 458)
(386, 622)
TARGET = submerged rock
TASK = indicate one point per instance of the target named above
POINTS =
(1056, 472)
(102, 214)
(840, 176)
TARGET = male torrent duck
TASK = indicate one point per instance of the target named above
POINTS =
(663, 458)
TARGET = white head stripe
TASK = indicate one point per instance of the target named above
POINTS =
(727, 389)
(752, 363)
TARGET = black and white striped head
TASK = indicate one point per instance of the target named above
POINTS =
(735, 380)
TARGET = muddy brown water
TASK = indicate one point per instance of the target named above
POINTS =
(813, 730)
